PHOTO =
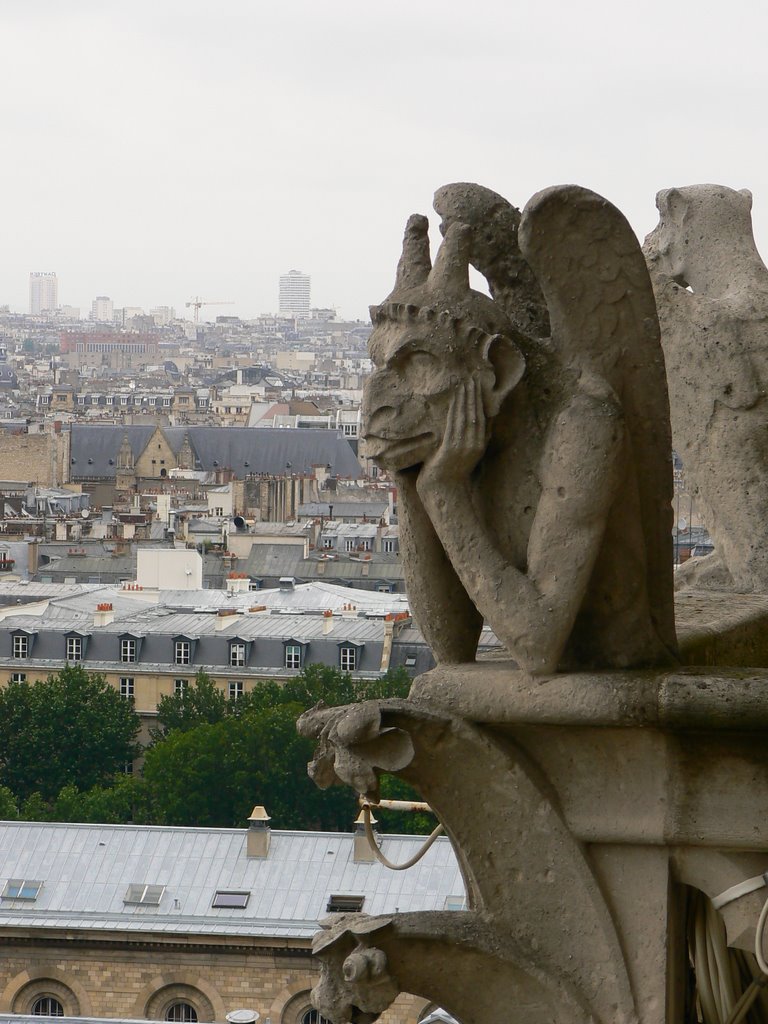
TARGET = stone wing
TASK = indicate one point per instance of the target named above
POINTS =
(594, 278)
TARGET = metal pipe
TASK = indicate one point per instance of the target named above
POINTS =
(397, 805)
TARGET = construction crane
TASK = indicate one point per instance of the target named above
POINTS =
(197, 302)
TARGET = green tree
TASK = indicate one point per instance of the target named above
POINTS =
(73, 728)
(213, 774)
(9, 809)
(116, 804)
(201, 702)
(35, 808)
(211, 760)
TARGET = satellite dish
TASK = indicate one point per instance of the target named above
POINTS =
(682, 524)
(85, 513)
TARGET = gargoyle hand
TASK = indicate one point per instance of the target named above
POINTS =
(464, 441)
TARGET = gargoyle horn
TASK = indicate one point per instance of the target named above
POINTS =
(450, 274)
(415, 262)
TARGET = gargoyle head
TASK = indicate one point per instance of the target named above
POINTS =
(432, 333)
(701, 231)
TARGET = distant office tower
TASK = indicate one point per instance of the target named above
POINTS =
(102, 309)
(294, 295)
(43, 293)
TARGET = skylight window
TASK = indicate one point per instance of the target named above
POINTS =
(21, 889)
(344, 904)
(149, 895)
(455, 903)
(226, 898)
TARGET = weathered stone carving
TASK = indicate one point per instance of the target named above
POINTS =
(355, 983)
(535, 488)
(711, 290)
(518, 859)
(574, 811)
(534, 475)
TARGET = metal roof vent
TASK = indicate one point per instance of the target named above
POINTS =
(287, 582)
(361, 850)
(259, 833)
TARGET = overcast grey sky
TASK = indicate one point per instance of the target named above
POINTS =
(158, 149)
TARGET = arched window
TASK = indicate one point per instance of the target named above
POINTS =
(47, 1006)
(181, 1013)
(313, 1016)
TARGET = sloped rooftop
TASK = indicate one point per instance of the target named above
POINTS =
(86, 870)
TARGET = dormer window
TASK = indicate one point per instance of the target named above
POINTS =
(294, 653)
(238, 653)
(23, 641)
(75, 645)
(130, 647)
(184, 649)
(349, 656)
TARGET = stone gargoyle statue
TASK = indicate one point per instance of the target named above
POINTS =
(534, 472)
(711, 290)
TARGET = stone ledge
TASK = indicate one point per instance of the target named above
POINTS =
(497, 692)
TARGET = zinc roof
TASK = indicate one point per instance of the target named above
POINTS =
(86, 871)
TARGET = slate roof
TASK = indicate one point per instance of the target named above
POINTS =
(269, 560)
(86, 871)
(244, 450)
(93, 446)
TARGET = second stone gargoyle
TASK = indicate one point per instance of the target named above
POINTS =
(534, 474)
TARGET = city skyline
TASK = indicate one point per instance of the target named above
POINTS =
(224, 161)
(293, 299)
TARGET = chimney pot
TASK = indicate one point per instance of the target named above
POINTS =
(259, 833)
(361, 850)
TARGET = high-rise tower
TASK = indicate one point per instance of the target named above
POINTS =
(102, 309)
(43, 293)
(294, 295)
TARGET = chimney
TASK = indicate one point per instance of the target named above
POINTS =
(327, 622)
(361, 851)
(226, 617)
(258, 833)
(104, 614)
(33, 556)
(238, 583)
(386, 647)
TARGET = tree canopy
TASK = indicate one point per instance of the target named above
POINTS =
(211, 758)
(70, 729)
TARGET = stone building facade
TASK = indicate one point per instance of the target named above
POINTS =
(34, 458)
